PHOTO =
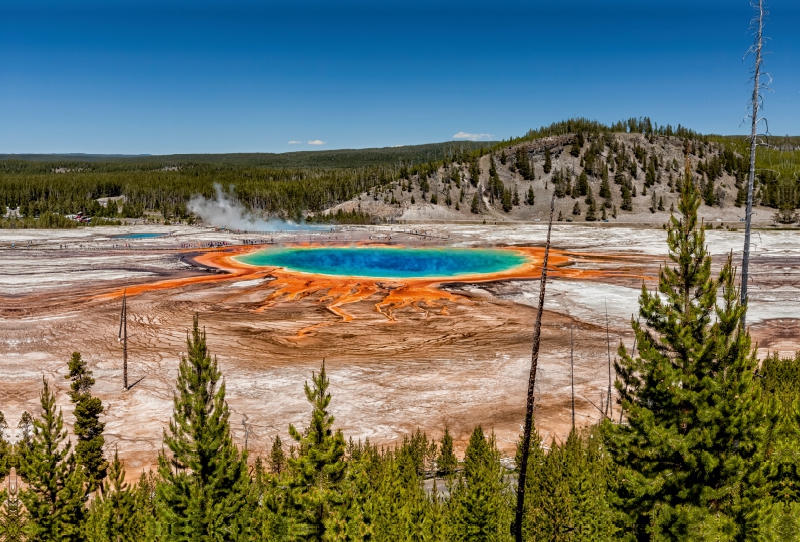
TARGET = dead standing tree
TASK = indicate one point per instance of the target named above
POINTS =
(756, 103)
(123, 336)
(526, 437)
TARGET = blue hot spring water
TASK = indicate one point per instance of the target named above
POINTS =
(384, 262)
(138, 236)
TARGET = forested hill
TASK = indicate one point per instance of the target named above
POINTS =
(341, 158)
(628, 171)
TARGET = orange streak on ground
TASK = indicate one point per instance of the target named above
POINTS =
(337, 292)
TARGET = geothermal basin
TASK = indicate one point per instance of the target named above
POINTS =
(413, 334)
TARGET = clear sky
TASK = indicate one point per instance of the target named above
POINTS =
(181, 76)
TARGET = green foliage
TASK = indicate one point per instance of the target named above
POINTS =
(277, 458)
(203, 476)
(446, 461)
(88, 427)
(475, 206)
(688, 455)
(569, 490)
(480, 502)
(113, 515)
(548, 161)
(54, 497)
(316, 475)
(530, 198)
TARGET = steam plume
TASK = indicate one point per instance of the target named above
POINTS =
(224, 212)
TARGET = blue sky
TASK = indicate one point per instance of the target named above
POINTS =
(186, 76)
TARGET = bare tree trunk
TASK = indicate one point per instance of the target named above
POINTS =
(758, 26)
(572, 374)
(537, 332)
(123, 331)
(608, 347)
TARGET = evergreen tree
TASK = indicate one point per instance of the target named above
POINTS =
(575, 150)
(481, 501)
(548, 161)
(627, 201)
(112, 516)
(708, 193)
(318, 471)
(88, 428)
(515, 197)
(446, 462)
(576, 211)
(54, 496)
(507, 200)
(605, 192)
(530, 199)
(687, 452)
(204, 478)
(6, 456)
(475, 206)
(583, 184)
(277, 459)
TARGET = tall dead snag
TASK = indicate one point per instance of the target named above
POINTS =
(537, 332)
(123, 336)
(756, 102)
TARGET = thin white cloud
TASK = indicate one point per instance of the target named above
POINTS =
(316, 142)
(293, 142)
(471, 137)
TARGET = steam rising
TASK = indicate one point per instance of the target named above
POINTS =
(224, 212)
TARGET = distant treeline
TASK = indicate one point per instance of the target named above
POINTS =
(294, 185)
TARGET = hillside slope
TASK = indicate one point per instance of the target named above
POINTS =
(647, 168)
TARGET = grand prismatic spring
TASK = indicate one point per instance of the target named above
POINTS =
(387, 262)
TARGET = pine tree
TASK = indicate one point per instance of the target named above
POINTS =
(583, 184)
(575, 150)
(605, 192)
(694, 416)
(475, 206)
(446, 462)
(530, 199)
(507, 200)
(480, 500)
(548, 161)
(515, 197)
(112, 516)
(319, 469)
(88, 428)
(6, 458)
(277, 459)
(204, 478)
(577, 209)
(627, 202)
(54, 496)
